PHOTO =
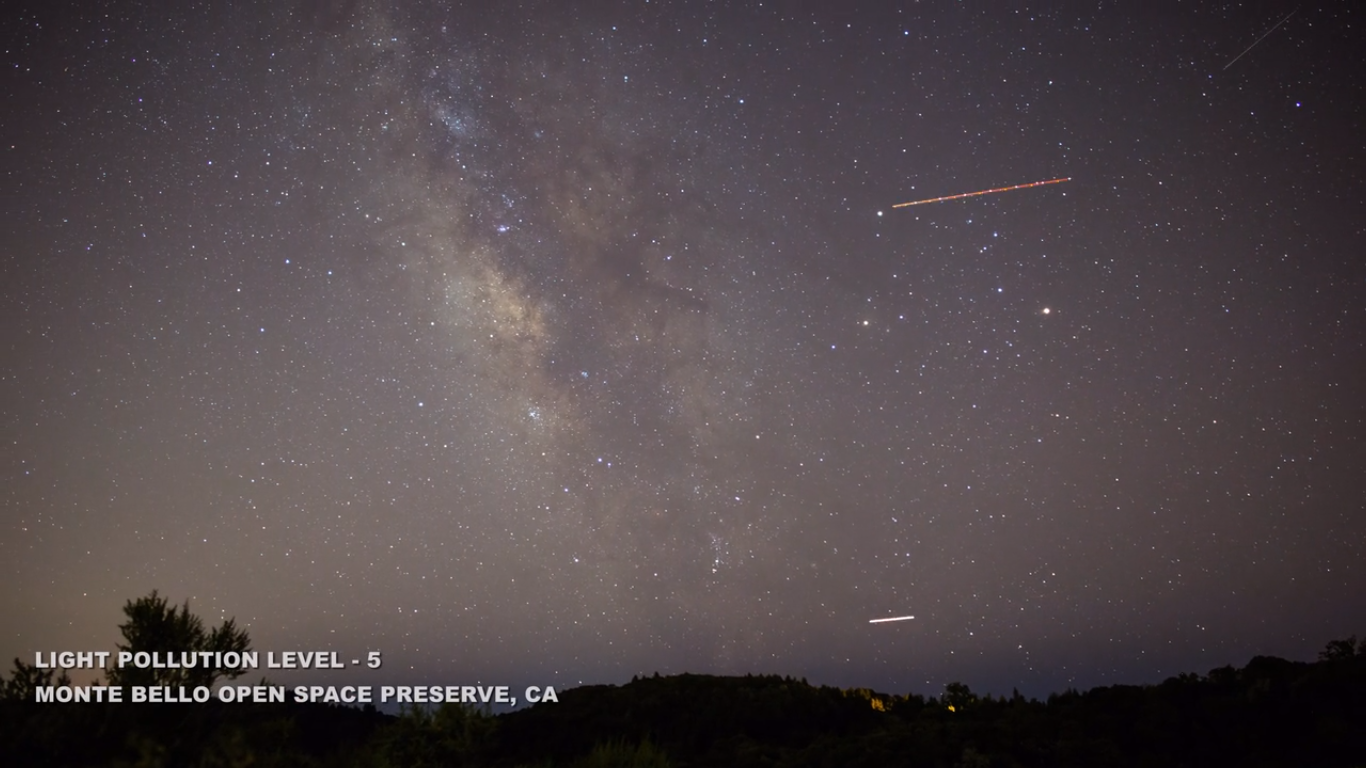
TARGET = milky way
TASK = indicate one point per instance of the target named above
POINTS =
(556, 345)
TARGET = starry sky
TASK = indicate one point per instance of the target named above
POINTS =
(555, 343)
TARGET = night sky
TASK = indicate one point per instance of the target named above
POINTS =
(550, 343)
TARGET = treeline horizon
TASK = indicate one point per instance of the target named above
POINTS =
(1270, 712)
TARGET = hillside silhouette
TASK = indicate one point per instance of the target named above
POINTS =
(1270, 712)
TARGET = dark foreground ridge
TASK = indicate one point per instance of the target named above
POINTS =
(1271, 712)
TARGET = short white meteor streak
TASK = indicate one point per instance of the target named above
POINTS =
(894, 618)
(1258, 40)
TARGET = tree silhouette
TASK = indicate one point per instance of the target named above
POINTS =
(1271, 712)
(27, 680)
(448, 735)
(1338, 650)
(156, 626)
(959, 696)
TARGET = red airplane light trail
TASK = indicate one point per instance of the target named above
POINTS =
(983, 192)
